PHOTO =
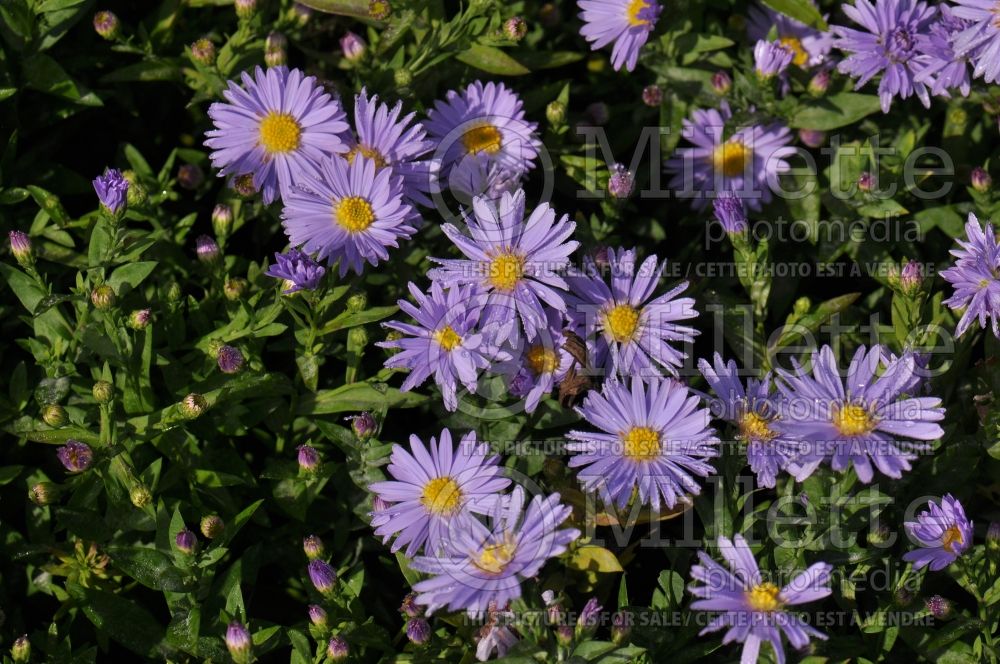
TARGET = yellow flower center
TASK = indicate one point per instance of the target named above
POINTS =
(367, 153)
(280, 133)
(641, 444)
(951, 537)
(354, 214)
(633, 11)
(441, 496)
(731, 158)
(853, 420)
(793, 44)
(541, 360)
(447, 338)
(764, 597)
(621, 322)
(484, 137)
(505, 270)
(754, 427)
(494, 558)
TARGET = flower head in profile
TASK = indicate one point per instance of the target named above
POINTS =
(750, 609)
(975, 276)
(629, 331)
(809, 47)
(516, 261)
(753, 411)
(980, 39)
(392, 141)
(352, 213)
(544, 362)
(771, 58)
(746, 163)
(730, 212)
(652, 437)
(860, 419)
(277, 126)
(895, 33)
(445, 342)
(433, 491)
(627, 23)
(482, 121)
(112, 190)
(298, 270)
(943, 533)
(482, 568)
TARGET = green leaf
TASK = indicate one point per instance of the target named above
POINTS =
(122, 620)
(492, 61)
(801, 10)
(595, 559)
(356, 397)
(147, 70)
(27, 290)
(44, 74)
(50, 204)
(347, 319)
(535, 60)
(355, 8)
(127, 277)
(836, 111)
(149, 567)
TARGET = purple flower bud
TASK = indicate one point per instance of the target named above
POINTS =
(911, 278)
(771, 58)
(812, 138)
(352, 46)
(203, 51)
(317, 615)
(564, 635)
(363, 425)
(140, 319)
(222, 219)
(302, 13)
(212, 526)
(106, 24)
(418, 631)
(238, 642)
(243, 185)
(309, 458)
(621, 182)
(721, 82)
(20, 247)
(207, 249)
(193, 406)
(313, 547)
(515, 28)
(409, 607)
(993, 536)
(621, 628)
(190, 176)
(819, 83)
(866, 182)
(230, 360)
(730, 212)
(379, 9)
(981, 180)
(939, 607)
(20, 652)
(590, 614)
(598, 112)
(245, 9)
(323, 576)
(75, 456)
(112, 191)
(298, 271)
(186, 541)
(652, 96)
(275, 50)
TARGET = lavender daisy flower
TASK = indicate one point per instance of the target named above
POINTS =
(75, 456)
(942, 68)
(628, 333)
(445, 342)
(627, 23)
(895, 33)
(976, 277)
(112, 190)
(389, 140)
(544, 362)
(980, 41)
(753, 410)
(943, 533)
(771, 58)
(483, 120)
(516, 261)
(653, 437)
(746, 163)
(751, 609)
(809, 47)
(351, 213)
(298, 270)
(433, 493)
(279, 125)
(483, 568)
(858, 420)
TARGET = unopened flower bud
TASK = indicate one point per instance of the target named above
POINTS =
(357, 337)
(238, 643)
(819, 83)
(379, 9)
(186, 541)
(801, 307)
(20, 652)
(993, 537)
(103, 297)
(308, 458)
(353, 47)
(235, 288)
(313, 547)
(363, 426)
(245, 9)
(136, 194)
(44, 493)
(409, 607)
(621, 182)
(174, 292)
(230, 360)
(911, 278)
(939, 607)
(301, 13)
(207, 249)
(555, 112)
(103, 391)
(721, 82)
(54, 415)
(203, 52)
(515, 28)
(357, 303)
(589, 616)
(112, 188)
(879, 535)
(212, 526)
(190, 176)
(652, 96)
(222, 220)
(980, 179)
(402, 77)
(140, 496)
(812, 138)
(193, 406)
(866, 182)
(75, 456)
(731, 213)
(275, 50)
(323, 576)
(140, 319)
(418, 631)
(317, 615)
(107, 25)
(903, 596)
(243, 185)
(564, 635)
(20, 247)
(621, 628)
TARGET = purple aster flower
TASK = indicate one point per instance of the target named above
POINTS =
(308, 458)
(942, 68)
(482, 567)
(771, 58)
(322, 576)
(352, 212)
(544, 362)
(278, 126)
(479, 175)
(753, 411)
(389, 140)
(730, 212)
(230, 360)
(495, 634)
(483, 120)
(446, 341)
(653, 437)
(317, 615)
(112, 190)
(75, 456)
(975, 277)
(751, 609)
(943, 533)
(896, 33)
(858, 420)
(746, 163)
(298, 269)
(626, 331)
(809, 47)
(627, 23)
(980, 40)
(516, 261)
(433, 493)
